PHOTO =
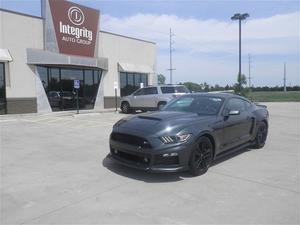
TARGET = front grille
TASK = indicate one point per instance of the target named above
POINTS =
(130, 139)
(136, 158)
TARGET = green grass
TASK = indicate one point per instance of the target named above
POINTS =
(274, 96)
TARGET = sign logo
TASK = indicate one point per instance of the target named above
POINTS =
(76, 84)
(75, 15)
(76, 27)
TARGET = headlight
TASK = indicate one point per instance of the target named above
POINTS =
(175, 138)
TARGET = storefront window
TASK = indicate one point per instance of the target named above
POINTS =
(59, 82)
(44, 76)
(2, 90)
(130, 82)
(54, 79)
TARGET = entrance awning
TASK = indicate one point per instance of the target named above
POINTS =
(41, 57)
(5, 55)
(135, 68)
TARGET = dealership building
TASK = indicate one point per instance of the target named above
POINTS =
(43, 60)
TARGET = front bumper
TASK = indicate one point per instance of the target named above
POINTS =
(171, 159)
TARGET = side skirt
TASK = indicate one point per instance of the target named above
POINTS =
(232, 150)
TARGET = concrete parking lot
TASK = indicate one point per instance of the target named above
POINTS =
(54, 171)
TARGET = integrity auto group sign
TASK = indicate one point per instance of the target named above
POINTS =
(75, 27)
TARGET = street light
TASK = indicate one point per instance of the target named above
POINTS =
(240, 17)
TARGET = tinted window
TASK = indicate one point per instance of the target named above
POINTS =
(2, 90)
(202, 105)
(177, 89)
(43, 73)
(139, 92)
(61, 80)
(53, 94)
(54, 80)
(130, 82)
(66, 94)
(150, 91)
(235, 104)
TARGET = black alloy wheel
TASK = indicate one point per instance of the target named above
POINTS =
(201, 156)
(125, 107)
(261, 135)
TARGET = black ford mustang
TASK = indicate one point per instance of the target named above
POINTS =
(189, 133)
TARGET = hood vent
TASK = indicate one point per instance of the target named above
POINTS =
(149, 118)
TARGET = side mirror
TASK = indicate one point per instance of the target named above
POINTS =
(234, 112)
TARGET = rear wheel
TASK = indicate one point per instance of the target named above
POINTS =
(261, 135)
(201, 157)
(160, 105)
(125, 107)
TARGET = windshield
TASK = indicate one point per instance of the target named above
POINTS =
(202, 105)
(175, 89)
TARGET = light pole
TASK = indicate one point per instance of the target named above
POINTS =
(240, 17)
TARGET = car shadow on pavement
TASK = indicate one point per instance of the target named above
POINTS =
(142, 175)
(160, 177)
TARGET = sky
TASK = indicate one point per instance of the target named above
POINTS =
(205, 38)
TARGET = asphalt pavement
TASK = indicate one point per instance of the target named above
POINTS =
(54, 170)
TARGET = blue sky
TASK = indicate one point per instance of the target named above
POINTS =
(206, 47)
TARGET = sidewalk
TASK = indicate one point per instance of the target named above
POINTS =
(57, 113)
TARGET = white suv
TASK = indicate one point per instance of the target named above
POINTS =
(151, 98)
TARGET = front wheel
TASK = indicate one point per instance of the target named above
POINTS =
(261, 135)
(125, 107)
(201, 157)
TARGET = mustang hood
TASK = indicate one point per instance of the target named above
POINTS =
(155, 122)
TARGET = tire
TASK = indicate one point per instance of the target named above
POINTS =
(261, 136)
(125, 107)
(201, 157)
(160, 105)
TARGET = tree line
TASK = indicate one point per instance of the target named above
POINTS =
(205, 87)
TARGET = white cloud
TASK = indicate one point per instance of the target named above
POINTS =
(218, 40)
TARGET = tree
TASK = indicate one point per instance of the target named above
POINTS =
(194, 87)
(239, 86)
(161, 79)
(242, 80)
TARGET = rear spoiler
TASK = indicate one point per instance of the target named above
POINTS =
(260, 105)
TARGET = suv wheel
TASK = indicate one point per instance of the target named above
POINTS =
(125, 107)
(160, 105)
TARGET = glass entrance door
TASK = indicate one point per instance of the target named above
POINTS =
(2, 90)
(59, 86)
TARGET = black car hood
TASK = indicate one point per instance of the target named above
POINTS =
(160, 122)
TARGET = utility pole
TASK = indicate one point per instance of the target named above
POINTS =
(249, 76)
(284, 77)
(171, 49)
(240, 17)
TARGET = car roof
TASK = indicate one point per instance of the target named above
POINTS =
(219, 95)
(165, 85)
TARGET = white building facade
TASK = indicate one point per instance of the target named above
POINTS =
(40, 57)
